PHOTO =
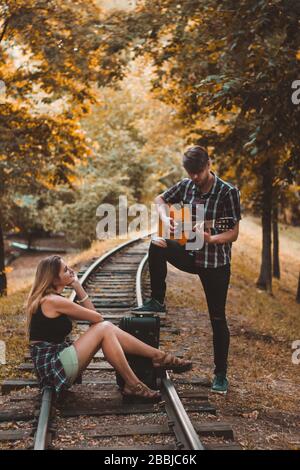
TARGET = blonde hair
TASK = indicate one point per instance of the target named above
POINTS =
(46, 272)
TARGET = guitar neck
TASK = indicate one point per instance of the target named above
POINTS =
(221, 225)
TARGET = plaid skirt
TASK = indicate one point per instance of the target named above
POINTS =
(47, 365)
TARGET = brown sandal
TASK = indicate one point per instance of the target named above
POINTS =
(173, 363)
(140, 390)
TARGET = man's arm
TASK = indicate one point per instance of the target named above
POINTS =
(231, 209)
(173, 195)
(164, 214)
(225, 237)
(161, 206)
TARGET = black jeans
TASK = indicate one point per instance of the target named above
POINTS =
(215, 282)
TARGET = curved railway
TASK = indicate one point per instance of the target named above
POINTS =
(115, 282)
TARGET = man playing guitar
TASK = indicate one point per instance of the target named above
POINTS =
(220, 202)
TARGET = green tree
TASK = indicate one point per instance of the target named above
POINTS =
(51, 55)
(134, 135)
(228, 67)
(73, 212)
(298, 291)
(136, 141)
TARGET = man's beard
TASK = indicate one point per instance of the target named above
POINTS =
(203, 182)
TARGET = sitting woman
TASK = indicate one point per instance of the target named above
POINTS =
(58, 362)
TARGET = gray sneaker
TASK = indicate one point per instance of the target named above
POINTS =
(150, 305)
(220, 384)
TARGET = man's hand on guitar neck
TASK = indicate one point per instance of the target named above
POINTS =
(207, 237)
(226, 237)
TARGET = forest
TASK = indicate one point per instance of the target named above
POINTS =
(89, 97)
(99, 99)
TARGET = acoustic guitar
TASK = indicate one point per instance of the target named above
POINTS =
(183, 231)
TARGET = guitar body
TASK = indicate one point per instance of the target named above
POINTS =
(182, 216)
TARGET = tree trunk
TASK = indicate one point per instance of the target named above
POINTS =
(298, 291)
(276, 263)
(3, 281)
(264, 281)
(29, 240)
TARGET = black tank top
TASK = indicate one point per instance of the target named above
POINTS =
(52, 330)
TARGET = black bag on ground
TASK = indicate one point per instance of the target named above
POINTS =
(145, 328)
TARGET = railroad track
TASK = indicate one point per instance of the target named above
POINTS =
(92, 415)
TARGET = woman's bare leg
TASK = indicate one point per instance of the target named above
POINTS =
(115, 355)
(133, 345)
(103, 335)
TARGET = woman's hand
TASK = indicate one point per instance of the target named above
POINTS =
(75, 280)
(81, 293)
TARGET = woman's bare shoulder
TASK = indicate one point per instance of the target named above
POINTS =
(53, 304)
(53, 299)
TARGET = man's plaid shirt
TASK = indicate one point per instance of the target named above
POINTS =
(48, 367)
(223, 200)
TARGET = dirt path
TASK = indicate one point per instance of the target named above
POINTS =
(263, 402)
(250, 242)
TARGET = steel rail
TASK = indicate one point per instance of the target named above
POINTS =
(186, 435)
(103, 258)
(40, 440)
(138, 282)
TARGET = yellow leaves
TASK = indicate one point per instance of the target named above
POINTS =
(298, 55)
(71, 66)
(47, 184)
(8, 269)
(72, 179)
(192, 24)
(65, 32)
(96, 145)
(253, 415)
(294, 188)
(69, 63)
(20, 83)
(94, 62)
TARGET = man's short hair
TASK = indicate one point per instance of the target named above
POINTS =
(195, 159)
